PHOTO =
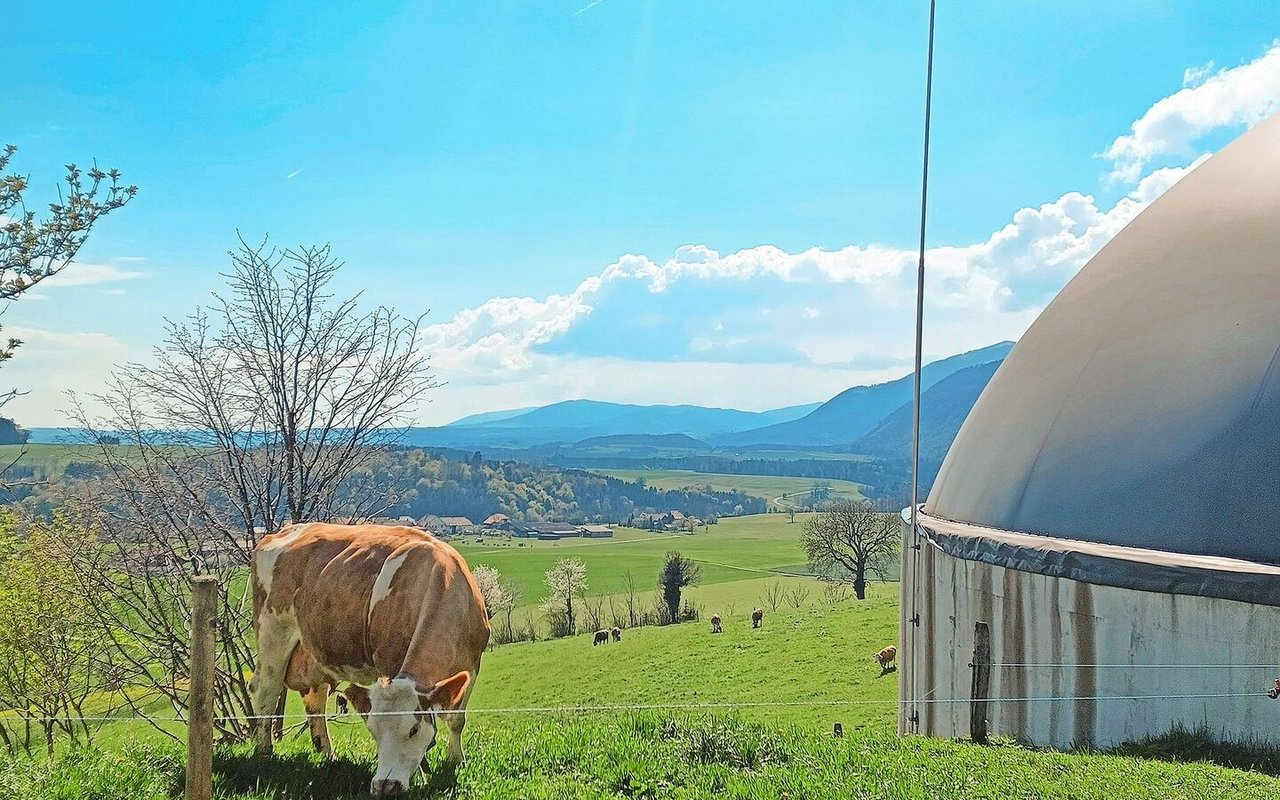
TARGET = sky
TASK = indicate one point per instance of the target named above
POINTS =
(624, 200)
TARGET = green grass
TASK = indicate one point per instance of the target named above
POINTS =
(736, 549)
(658, 756)
(816, 652)
(48, 460)
(771, 487)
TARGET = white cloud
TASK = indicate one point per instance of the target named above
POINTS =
(79, 273)
(1194, 76)
(993, 287)
(1233, 97)
(50, 363)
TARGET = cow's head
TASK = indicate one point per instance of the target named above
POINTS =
(403, 720)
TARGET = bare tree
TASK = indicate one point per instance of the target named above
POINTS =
(633, 601)
(773, 595)
(836, 593)
(797, 595)
(565, 581)
(275, 404)
(849, 541)
(594, 607)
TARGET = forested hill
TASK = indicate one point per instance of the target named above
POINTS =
(475, 489)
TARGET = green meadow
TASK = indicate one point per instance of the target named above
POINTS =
(781, 491)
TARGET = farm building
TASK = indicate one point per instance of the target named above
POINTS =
(449, 526)
(497, 521)
(546, 531)
(1110, 506)
(595, 531)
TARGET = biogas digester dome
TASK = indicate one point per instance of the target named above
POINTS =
(1114, 496)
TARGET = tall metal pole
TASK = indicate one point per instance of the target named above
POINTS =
(915, 426)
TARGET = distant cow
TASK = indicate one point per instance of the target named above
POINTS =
(602, 637)
(757, 618)
(715, 623)
(415, 638)
(885, 658)
(616, 633)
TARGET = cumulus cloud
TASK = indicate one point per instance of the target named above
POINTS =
(1233, 97)
(80, 273)
(1015, 270)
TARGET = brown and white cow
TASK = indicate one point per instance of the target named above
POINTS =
(715, 623)
(886, 656)
(616, 633)
(390, 608)
(602, 637)
(757, 618)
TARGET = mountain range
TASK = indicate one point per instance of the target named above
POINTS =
(862, 415)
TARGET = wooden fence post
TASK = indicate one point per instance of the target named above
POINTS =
(981, 682)
(204, 621)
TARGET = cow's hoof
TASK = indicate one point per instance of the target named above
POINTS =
(386, 788)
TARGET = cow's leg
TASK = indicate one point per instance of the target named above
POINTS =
(315, 703)
(277, 638)
(456, 722)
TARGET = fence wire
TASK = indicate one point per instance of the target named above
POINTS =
(640, 707)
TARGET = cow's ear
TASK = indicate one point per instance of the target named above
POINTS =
(448, 693)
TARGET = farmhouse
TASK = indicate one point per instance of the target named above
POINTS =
(1109, 507)
(497, 521)
(662, 520)
(595, 531)
(448, 526)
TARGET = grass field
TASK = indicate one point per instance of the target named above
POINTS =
(819, 653)
(660, 757)
(780, 491)
(736, 549)
(47, 460)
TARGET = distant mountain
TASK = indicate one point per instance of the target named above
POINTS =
(490, 416)
(943, 409)
(575, 420)
(853, 413)
(663, 440)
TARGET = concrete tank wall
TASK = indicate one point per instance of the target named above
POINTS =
(1044, 620)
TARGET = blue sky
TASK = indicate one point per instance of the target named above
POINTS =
(640, 201)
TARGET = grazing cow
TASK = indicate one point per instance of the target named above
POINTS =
(715, 623)
(389, 608)
(757, 618)
(616, 633)
(885, 658)
(602, 637)
(1274, 691)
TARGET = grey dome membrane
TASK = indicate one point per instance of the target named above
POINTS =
(1143, 407)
